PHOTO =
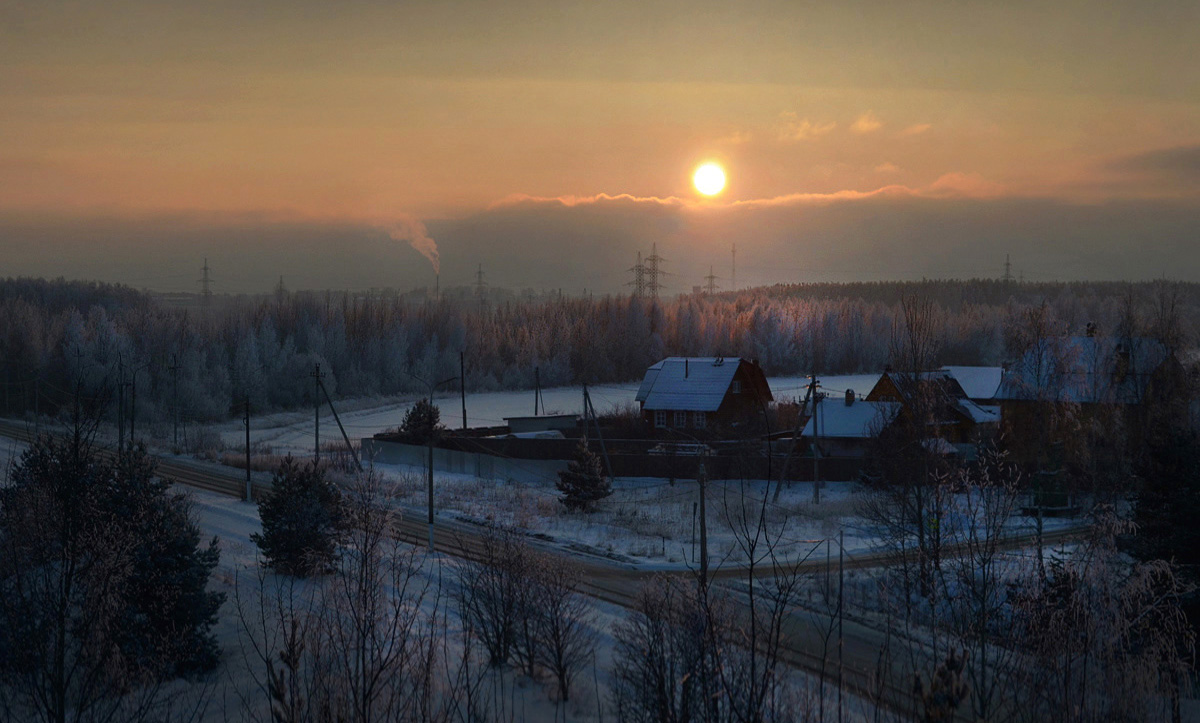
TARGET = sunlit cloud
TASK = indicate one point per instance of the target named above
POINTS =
(792, 128)
(915, 130)
(866, 123)
(950, 185)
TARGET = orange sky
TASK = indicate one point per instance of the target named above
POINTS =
(368, 110)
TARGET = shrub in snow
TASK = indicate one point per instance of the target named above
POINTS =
(302, 520)
(582, 483)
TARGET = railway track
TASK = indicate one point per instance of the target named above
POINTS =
(804, 646)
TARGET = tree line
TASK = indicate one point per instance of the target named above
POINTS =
(59, 338)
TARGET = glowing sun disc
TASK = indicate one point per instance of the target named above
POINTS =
(709, 179)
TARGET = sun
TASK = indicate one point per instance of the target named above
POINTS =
(709, 179)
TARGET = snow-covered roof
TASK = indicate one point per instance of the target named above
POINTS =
(691, 384)
(980, 413)
(860, 420)
(977, 382)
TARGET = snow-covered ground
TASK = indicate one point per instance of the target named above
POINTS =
(654, 523)
(293, 431)
(232, 687)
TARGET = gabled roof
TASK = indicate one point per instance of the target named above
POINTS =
(1084, 369)
(977, 382)
(939, 385)
(860, 420)
(692, 384)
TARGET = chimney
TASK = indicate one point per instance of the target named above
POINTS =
(849, 397)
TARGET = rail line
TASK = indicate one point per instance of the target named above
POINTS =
(621, 584)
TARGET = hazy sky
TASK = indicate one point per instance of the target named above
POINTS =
(860, 139)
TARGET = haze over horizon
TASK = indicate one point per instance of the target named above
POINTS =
(861, 141)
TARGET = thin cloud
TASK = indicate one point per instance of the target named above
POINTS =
(793, 129)
(915, 130)
(866, 123)
(887, 167)
(965, 185)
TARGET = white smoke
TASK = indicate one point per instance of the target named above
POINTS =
(407, 228)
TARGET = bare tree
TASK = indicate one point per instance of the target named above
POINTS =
(563, 618)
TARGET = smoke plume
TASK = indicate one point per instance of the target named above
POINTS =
(407, 228)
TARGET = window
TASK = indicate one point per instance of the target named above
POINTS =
(680, 418)
(736, 387)
(660, 418)
(698, 420)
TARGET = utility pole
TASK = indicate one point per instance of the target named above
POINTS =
(120, 406)
(702, 481)
(37, 395)
(841, 638)
(206, 285)
(816, 450)
(537, 389)
(246, 423)
(587, 405)
(462, 384)
(132, 406)
(317, 375)
(336, 418)
(174, 369)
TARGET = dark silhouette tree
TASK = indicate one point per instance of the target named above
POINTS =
(582, 483)
(104, 583)
(421, 422)
(303, 520)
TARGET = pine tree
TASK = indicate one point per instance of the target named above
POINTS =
(105, 582)
(169, 613)
(302, 520)
(421, 421)
(582, 483)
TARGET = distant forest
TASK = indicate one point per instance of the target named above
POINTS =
(60, 337)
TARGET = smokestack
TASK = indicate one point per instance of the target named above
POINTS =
(685, 368)
(437, 286)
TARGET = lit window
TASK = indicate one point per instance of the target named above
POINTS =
(736, 388)
(660, 418)
(698, 420)
(680, 418)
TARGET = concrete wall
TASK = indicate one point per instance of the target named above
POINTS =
(485, 466)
